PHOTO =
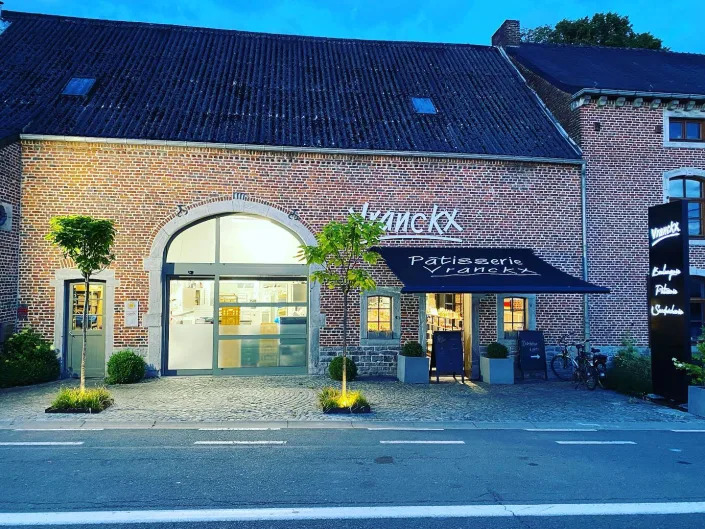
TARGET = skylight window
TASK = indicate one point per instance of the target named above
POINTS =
(423, 105)
(78, 86)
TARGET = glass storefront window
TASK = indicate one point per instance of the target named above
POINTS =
(254, 291)
(269, 352)
(252, 321)
(195, 244)
(246, 239)
(514, 316)
(191, 323)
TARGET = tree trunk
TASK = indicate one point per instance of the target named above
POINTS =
(84, 327)
(345, 342)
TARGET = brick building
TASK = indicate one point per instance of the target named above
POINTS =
(217, 153)
(639, 119)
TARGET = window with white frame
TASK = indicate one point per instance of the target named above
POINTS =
(380, 316)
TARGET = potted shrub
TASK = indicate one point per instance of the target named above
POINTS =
(696, 371)
(413, 366)
(496, 366)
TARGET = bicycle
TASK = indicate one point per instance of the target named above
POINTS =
(577, 368)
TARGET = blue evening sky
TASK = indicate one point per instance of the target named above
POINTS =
(466, 21)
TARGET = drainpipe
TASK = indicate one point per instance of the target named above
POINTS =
(583, 200)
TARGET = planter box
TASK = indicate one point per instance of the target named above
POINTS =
(696, 400)
(348, 411)
(413, 369)
(497, 370)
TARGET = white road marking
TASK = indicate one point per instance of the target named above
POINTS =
(240, 443)
(422, 442)
(675, 450)
(596, 442)
(59, 429)
(237, 429)
(688, 431)
(403, 429)
(560, 429)
(349, 513)
(43, 443)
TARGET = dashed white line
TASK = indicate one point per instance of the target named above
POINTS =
(42, 443)
(403, 429)
(422, 442)
(560, 429)
(240, 443)
(237, 429)
(688, 431)
(349, 513)
(595, 442)
(59, 429)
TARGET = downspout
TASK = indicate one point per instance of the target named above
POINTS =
(583, 201)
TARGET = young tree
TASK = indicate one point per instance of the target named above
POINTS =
(342, 249)
(88, 243)
(603, 29)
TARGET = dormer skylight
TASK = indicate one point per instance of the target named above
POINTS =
(78, 86)
(424, 105)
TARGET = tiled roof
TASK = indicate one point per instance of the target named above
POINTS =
(162, 82)
(573, 68)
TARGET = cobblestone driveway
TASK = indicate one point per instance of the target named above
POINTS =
(294, 398)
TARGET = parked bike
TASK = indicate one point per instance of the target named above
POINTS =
(582, 367)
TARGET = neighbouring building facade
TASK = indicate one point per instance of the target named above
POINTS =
(639, 119)
(217, 153)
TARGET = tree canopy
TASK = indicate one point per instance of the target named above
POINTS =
(603, 29)
(86, 241)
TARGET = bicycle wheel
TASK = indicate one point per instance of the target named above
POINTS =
(591, 377)
(562, 367)
(601, 375)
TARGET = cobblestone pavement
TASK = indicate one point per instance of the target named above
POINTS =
(210, 398)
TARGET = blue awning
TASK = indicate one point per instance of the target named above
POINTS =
(480, 270)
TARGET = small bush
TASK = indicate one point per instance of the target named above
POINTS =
(631, 372)
(27, 358)
(412, 349)
(335, 369)
(330, 398)
(94, 399)
(125, 367)
(696, 368)
(497, 350)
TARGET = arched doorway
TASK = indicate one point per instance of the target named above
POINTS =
(236, 298)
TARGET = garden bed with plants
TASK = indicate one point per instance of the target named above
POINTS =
(332, 400)
(75, 400)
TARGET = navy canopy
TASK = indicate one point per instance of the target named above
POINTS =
(480, 270)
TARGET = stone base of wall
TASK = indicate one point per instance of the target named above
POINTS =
(370, 360)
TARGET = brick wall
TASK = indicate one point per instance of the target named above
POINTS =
(626, 162)
(500, 204)
(10, 173)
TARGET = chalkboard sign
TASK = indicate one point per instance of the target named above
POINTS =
(532, 352)
(447, 352)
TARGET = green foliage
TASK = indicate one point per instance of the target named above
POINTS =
(125, 367)
(335, 369)
(86, 241)
(412, 348)
(696, 369)
(603, 29)
(330, 398)
(27, 358)
(630, 372)
(342, 248)
(497, 350)
(94, 399)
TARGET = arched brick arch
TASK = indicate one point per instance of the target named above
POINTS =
(154, 318)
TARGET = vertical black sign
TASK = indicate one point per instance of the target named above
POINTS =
(669, 297)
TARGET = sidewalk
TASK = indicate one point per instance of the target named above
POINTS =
(290, 402)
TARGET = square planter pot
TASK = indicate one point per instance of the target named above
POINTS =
(497, 370)
(696, 400)
(413, 369)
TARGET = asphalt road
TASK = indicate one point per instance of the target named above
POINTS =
(378, 470)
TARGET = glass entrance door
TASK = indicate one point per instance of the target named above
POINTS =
(262, 325)
(95, 329)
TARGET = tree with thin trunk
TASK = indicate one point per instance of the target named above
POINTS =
(88, 243)
(342, 250)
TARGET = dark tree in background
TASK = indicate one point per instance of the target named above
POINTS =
(603, 29)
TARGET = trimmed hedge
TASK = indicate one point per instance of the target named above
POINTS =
(497, 350)
(335, 369)
(27, 358)
(125, 367)
(412, 349)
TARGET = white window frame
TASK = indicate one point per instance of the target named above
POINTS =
(682, 114)
(681, 172)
